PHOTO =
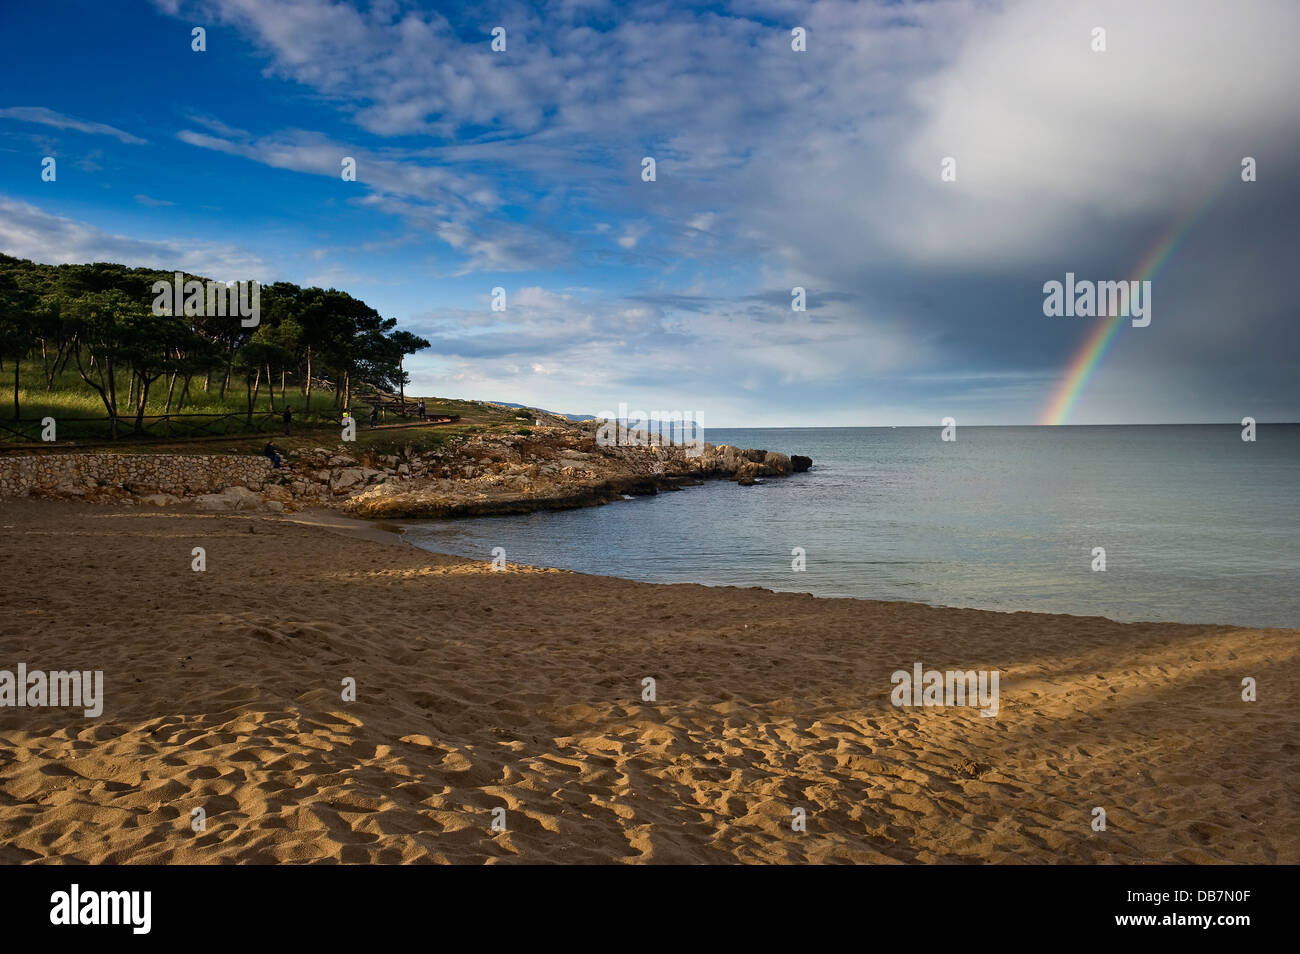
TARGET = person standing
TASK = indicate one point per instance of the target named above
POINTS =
(374, 415)
(288, 419)
(421, 406)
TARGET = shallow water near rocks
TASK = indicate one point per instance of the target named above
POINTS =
(1198, 526)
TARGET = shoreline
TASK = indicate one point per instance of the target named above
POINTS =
(495, 472)
(378, 531)
(393, 533)
(397, 529)
(523, 690)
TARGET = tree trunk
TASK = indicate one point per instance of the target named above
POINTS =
(101, 387)
(112, 395)
(252, 394)
(308, 377)
(144, 399)
(16, 366)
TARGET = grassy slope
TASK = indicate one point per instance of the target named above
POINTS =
(72, 398)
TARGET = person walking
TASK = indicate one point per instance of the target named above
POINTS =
(421, 409)
(288, 419)
(374, 415)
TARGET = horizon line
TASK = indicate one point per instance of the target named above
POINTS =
(737, 427)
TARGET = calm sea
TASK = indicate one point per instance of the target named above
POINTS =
(1198, 526)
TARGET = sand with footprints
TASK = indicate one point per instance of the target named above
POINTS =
(481, 691)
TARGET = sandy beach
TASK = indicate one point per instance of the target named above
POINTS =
(479, 690)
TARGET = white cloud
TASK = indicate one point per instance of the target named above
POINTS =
(29, 232)
(817, 157)
(632, 234)
(1051, 137)
(778, 168)
(48, 117)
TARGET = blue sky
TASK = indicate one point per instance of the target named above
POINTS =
(775, 168)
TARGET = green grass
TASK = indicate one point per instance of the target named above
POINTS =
(71, 398)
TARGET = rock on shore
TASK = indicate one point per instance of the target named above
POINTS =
(562, 471)
(544, 468)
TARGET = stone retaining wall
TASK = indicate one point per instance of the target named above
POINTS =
(76, 474)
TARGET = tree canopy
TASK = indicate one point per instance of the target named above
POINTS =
(100, 320)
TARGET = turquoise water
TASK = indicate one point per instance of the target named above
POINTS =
(1198, 525)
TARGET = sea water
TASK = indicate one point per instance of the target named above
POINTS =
(1196, 524)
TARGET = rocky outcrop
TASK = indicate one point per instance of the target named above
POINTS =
(495, 472)
(561, 472)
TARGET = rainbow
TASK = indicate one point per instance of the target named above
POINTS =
(1080, 368)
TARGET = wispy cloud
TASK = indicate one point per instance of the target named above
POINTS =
(48, 117)
(775, 169)
(29, 232)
